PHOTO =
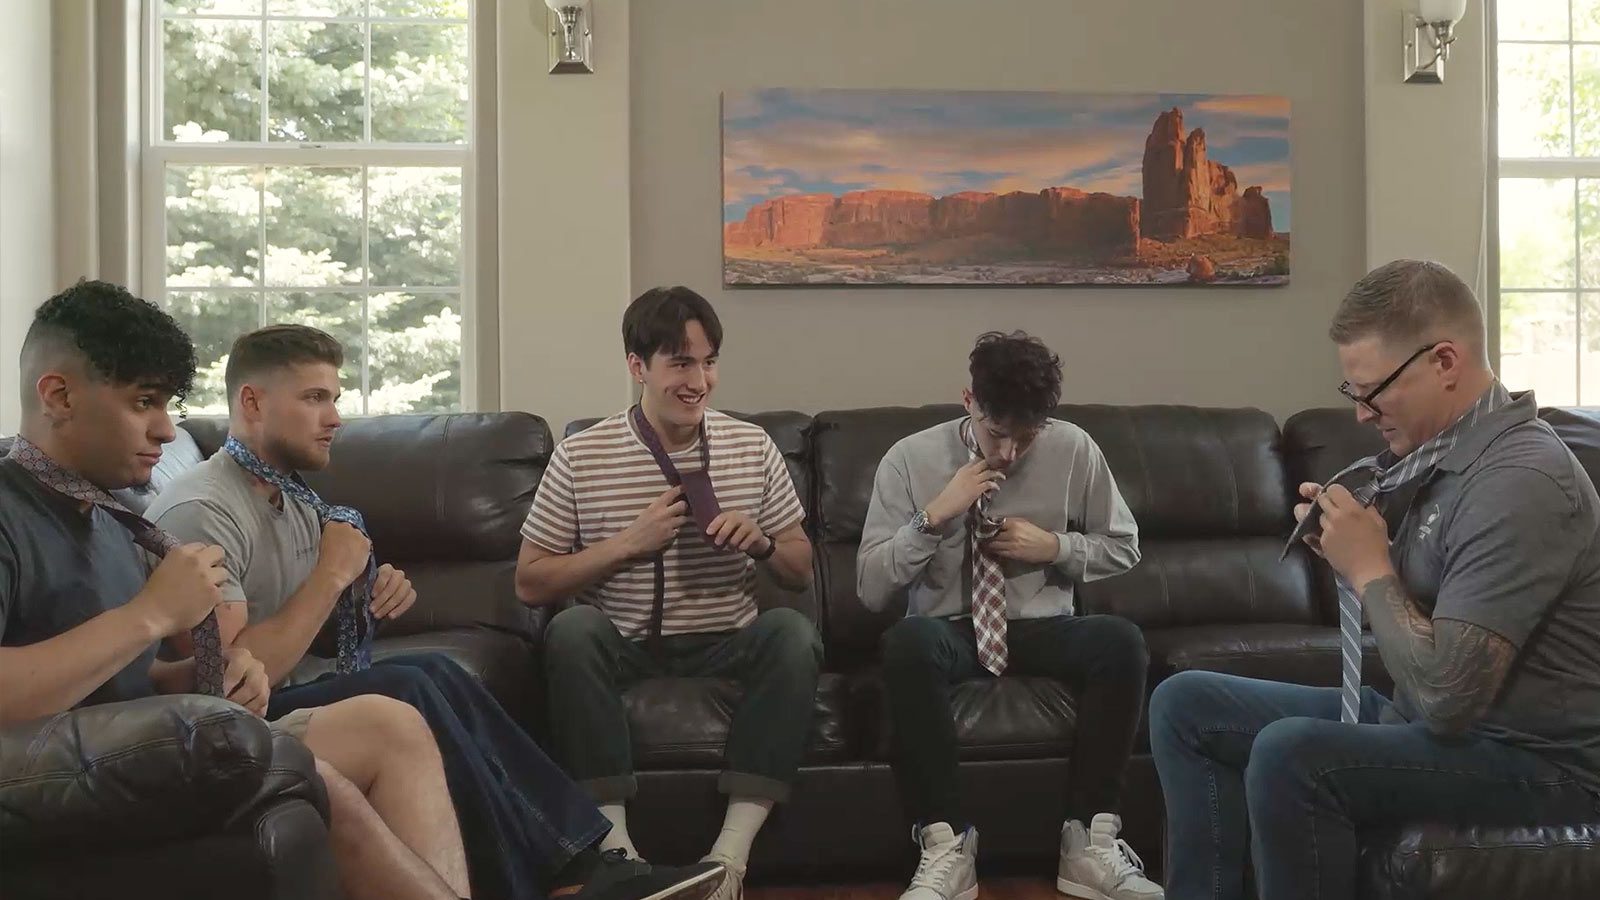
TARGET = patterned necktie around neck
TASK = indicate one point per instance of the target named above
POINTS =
(1367, 480)
(698, 492)
(354, 624)
(210, 665)
(988, 582)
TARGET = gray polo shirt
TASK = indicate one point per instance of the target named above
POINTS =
(61, 566)
(1505, 535)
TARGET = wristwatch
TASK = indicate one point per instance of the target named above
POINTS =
(920, 523)
(772, 547)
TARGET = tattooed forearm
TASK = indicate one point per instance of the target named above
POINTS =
(1452, 668)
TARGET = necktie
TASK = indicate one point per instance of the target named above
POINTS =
(988, 582)
(353, 612)
(209, 664)
(1367, 479)
(698, 492)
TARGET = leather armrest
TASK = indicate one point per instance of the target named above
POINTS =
(146, 770)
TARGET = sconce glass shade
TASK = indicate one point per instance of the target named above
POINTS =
(1441, 10)
(559, 5)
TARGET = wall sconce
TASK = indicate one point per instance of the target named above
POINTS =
(571, 38)
(1429, 30)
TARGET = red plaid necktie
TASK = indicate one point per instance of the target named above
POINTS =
(988, 583)
(209, 664)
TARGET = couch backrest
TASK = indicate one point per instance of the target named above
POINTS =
(444, 497)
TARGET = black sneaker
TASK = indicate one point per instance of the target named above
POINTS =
(620, 878)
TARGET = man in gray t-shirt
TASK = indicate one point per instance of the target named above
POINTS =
(1472, 547)
(529, 829)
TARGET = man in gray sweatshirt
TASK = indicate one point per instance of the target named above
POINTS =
(983, 527)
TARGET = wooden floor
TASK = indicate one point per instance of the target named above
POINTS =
(989, 889)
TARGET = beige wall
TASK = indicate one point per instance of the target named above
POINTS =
(563, 170)
(27, 229)
(1426, 158)
(818, 348)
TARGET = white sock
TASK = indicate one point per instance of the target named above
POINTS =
(617, 838)
(745, 817)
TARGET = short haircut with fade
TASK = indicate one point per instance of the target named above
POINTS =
(120, 339)
(278, 347)
(1408, 302)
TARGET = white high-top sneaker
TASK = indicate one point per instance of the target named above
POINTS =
(949, 866)
(1098, 865)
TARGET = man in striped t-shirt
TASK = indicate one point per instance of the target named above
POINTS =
(664, 558)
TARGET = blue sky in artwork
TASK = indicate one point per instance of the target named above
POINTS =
(781, 141)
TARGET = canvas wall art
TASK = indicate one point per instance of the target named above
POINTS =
(1004, 188)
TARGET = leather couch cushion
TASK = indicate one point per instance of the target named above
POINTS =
(464, 594)
(1550, 862)
(1195, 581)
(684, 722)
(1014, 717)
(1299, 654)
(157, 768)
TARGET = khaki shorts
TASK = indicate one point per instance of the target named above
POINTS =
(295, 723)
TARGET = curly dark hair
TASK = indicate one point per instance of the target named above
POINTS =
(1015, 378)
(124, 340)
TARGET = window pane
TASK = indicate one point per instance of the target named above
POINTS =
(354, 8)
(211, 88)
(416, 353)
(1586, 122)
(218, 7)
(419, 83)
(1537, 235)
(1589, 390)
(1534, 102)
(1585, 20)
(1589, 232)
(1538, 346)
(313, 226)
(213, 321)
(1532, 20)
(213, 225)
(315, 81)
(433, 9)
(339, 315)
(416, 226)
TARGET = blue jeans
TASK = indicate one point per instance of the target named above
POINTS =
(522, 819)
(1239, 757)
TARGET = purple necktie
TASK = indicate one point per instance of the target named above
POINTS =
(209, 663)
(697, 492)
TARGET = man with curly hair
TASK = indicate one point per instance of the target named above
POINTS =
(982, 527)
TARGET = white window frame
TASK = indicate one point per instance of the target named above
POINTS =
(1576, 168)
(159, 152)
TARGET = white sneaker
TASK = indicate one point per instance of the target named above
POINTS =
(949, 866)
(1097, 865)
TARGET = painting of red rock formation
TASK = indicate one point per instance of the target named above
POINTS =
(922, 187)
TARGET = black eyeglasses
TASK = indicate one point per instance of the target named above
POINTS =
(1366, 400)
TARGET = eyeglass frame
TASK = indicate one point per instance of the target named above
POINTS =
(1366, 399)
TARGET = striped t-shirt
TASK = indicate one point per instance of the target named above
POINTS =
(602, 478)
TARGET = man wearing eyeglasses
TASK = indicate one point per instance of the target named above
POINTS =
(1472, 546)
(983, 527)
